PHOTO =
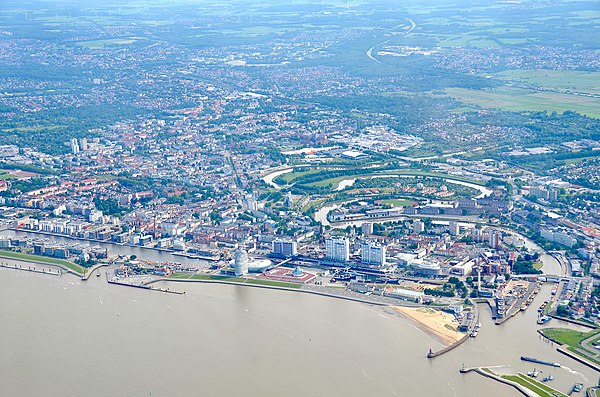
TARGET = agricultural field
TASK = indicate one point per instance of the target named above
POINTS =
(521, 100)
(560, 80)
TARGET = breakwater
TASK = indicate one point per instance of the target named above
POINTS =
(146, 287)
(57, 272)
(489, 374)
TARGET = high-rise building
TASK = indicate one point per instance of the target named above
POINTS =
(285, 248)
(418, 226)
(367, 228)
(74, 146)
(83, 144)
(337, 249)
(453, 228)
(494, 239)
(251, 203)
(288, 200)
(373, 253)
(540, 192)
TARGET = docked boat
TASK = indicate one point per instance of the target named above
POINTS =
(473, 333)
(535, 360)
(523, 307)
(543, 319)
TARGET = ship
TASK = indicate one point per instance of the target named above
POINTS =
(533, 374)
(543, 319)
(535, 360)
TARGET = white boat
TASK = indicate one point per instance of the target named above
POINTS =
(548, 378)
(533, 374)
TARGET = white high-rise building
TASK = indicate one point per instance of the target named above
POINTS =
(74, 146)
(373, 253)
(453, 228)
(285, 248)
(251, 203)
(418, 227)
(337, 249)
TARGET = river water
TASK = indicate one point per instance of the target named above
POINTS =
(64, 337)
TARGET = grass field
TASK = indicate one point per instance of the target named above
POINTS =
(32, 128)
(335, 181)
(572, 339)
(43, 259)
(5, 175)
(571, 80)
(566, 336)
(399, 202)
(271, 283)
(579, 159)
(95, 44)
(537, 387)
(515, 99)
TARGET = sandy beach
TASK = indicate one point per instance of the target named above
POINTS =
(442, 325)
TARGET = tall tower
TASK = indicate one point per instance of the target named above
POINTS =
(240, 264)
